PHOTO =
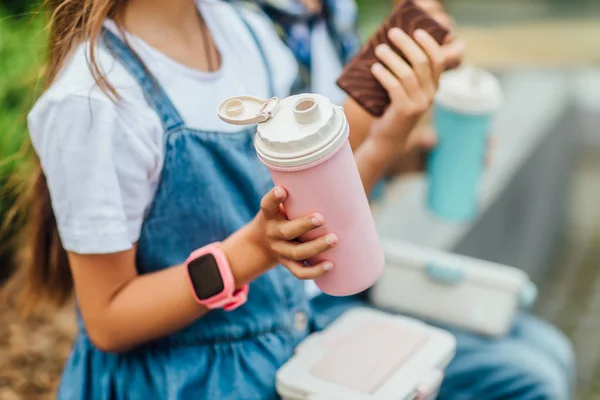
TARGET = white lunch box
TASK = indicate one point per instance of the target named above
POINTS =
(367, 355)
(444, 288)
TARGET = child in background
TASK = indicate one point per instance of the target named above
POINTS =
(142, 189)
(535, 360)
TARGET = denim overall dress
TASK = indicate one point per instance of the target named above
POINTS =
(211, 186)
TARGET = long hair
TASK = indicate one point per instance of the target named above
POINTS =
(43, 276)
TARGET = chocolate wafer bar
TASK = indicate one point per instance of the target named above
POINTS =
(358, 81)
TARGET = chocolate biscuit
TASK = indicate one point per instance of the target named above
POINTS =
(358, 81)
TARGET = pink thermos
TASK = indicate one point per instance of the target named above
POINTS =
(303, 140)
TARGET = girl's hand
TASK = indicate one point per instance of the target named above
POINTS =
(411, 88)
(421, 142)
(314, 7)
(282, 237)
(453, 48)
(437, 11)
(425, 140)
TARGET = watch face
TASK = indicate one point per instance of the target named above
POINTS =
(206, 277)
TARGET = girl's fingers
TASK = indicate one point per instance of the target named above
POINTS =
(290, 230)
(270, 204)
(398, 67)
(428, 140)
(446, 20)
(415, 55)
(313, 6)
(303, 251)
(429, 6)
(433, 51)
(435, 9)
(453, 53)
(305, 272)
(389, 82)
(423, 138)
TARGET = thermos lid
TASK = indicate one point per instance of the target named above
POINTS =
(296, 131)
(469, 90)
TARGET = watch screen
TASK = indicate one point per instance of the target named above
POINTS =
(206, 277)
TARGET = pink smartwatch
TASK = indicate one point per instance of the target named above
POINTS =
(212, 281)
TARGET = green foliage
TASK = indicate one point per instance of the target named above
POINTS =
(18, 7)
(21, 46)
(371, 15)
(21, 53)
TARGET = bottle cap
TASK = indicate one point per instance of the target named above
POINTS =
(469, 90)
(296, 131)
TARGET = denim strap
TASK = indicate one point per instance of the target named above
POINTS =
(153, 92)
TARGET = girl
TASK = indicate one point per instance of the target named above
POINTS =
(534, 360)
(142, 189)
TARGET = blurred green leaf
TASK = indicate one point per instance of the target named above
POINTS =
(21, 54)
(21, 49)
(17, 7)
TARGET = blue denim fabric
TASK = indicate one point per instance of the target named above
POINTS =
(211, 186)
(534, 361)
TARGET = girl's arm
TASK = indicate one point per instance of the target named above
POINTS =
(360, 122)
(122, 309)
(453, 52)
(377, 142)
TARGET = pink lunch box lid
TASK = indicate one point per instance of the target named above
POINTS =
(368, 354)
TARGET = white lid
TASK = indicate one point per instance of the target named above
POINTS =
(297, 378)
(467, 269)
(469, 90)
(295, 131)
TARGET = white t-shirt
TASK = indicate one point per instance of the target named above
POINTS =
(103, 159)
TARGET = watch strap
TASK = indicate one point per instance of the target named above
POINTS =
(239, 297)
(230, 298)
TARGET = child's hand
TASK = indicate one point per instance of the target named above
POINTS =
(453, 48)
(282, 234)
(411, 89)
(420, 143)
(437, 11)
